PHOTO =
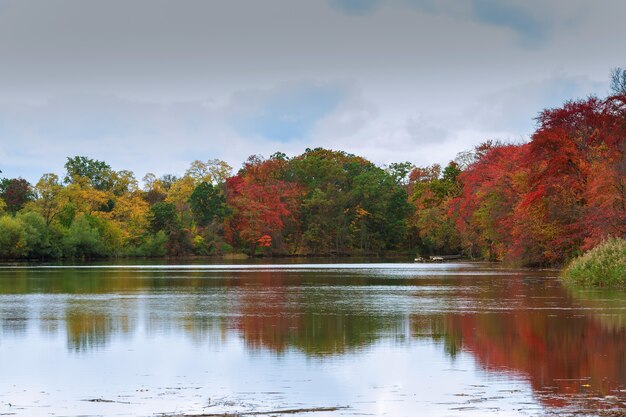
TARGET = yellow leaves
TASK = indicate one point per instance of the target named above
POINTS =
(88, 200)
(153, 184)
(361, 212)
(180, 192)
(213, 171)
(48, 186)
(51, 198)
(519, 180)
(198, 241)
(124, 182)
(130, 208)
(12, 238)
(131, 214)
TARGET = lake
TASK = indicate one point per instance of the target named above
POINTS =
(382, 339)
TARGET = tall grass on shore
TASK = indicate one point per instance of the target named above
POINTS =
(603, 266)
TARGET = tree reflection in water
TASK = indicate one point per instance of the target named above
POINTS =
(565, 344)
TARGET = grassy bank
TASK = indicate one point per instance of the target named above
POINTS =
(603, 266)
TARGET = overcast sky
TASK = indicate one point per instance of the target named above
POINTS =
(150, 85)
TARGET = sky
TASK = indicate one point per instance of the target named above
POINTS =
(151, 85)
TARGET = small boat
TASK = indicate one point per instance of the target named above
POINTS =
(440, 258)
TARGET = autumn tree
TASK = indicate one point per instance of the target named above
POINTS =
(213, 171)
(51, 198)
(15, 193)
(178, 194)
(261, 201)
(575, 162)
(490, 190)
(154, 189)
(431, 192)
(543, 202)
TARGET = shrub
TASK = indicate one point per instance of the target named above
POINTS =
(83, 240)
(603, 266)
(26, 236)
(12, 242)
(153, 245)
(37, 236)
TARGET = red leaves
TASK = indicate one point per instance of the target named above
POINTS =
(491, 188)
(262, 203)
(541, 202)
(265, 241)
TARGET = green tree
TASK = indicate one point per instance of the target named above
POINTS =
(207, 204)
(12, 241)
(324, 216)
(83, 240)
(349, 203)
(381, 210)
(163, 216)
(400, 171)
(92, 237)
(98, 173)
(39, 239)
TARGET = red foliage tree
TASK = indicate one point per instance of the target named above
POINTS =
(15, 192)
(576, 163)
(261, 202)
(546, 201)
(491, 190)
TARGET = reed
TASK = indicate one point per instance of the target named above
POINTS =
(602, 266)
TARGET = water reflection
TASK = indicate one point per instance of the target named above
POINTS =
(567, 345)
(560, 355)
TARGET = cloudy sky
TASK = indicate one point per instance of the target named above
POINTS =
(150, 85)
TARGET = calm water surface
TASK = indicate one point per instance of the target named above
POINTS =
(380, 339)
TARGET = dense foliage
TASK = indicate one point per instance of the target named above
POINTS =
(538, 203)
(546, 201)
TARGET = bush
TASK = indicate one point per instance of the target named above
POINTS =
(26, 236)
(37, 236)
(12, 242)
(603, 266)
(83, 240)
(153, 245)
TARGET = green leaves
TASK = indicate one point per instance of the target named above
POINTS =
(207, 204)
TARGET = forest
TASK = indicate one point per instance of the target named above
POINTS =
(536, 203)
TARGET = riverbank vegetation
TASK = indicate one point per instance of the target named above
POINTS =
(602, 266)
(537, 203)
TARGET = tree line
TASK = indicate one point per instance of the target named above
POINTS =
(535, 203)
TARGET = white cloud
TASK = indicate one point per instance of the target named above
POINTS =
(154, 84)
(163, 138)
